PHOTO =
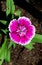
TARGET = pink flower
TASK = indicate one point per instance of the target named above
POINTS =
(21, 31)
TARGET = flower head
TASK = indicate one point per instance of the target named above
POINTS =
(21, 31)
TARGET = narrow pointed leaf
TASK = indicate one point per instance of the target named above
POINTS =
(7, 55)
(3, 22)
(12, 6)
(3, 31)
(8, 7)
(5, 52)
(2, 52)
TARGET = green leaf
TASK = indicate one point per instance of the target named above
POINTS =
(37, 38)
(12, 6)
(0, 34)
(8, 8)
(12, 44)
(1, 61)
(18, 13)
(29, 46)
(3, 22)
(4, 52)
(4, 31)
(7, 55)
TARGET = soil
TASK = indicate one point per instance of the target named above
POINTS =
(22, 56)
(37, 4)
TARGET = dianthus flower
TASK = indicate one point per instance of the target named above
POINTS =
(21, 31)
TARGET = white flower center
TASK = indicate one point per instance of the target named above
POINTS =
(21, 30)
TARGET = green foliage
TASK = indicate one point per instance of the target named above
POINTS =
(30, 45)
(5, 49)
(7, 55)
(18, 13)
(37, 38)
(4, 52)
(12, 44)
(0, 34)
(3, 22)
(10, 7)
(4, 31)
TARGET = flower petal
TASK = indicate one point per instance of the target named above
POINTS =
(14, 37)
(31, 32)
(24, 21)
(24, 27)
(13, 25)
(23, 40)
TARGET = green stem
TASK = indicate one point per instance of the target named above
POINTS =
(37, 38)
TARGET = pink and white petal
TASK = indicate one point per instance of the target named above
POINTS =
(14, 37)
(31, 31)
(13, 25)
(23, 40)
(24, 21)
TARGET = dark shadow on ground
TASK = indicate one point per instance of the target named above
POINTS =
(30, 8)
